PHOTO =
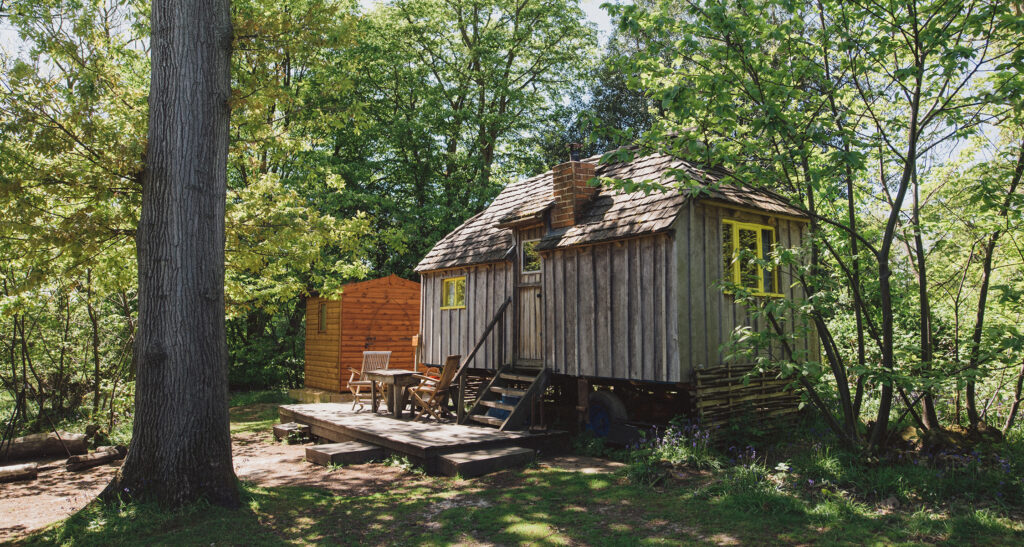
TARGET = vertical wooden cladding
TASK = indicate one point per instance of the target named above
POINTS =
(708, 316)
(376, 315)
(323, 348)
(610, 310)
(529, 305)
(455, 331)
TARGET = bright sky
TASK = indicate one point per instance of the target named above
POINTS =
(598, 16)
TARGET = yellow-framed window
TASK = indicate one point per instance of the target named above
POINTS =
(453, 293)
(322, 326)
(755, 240)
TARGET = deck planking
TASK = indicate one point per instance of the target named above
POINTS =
(423, 441)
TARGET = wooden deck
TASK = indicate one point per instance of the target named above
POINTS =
(423, 442)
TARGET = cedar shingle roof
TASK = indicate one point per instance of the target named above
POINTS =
(611, 215)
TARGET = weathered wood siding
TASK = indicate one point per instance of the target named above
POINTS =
(375, 315)
(323, 348)
(455, 332)
(610, 310)
(707, 316)
(529, 306)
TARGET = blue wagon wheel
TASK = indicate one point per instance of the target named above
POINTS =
(605, 409)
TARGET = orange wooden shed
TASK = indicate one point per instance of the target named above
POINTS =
(376, 315)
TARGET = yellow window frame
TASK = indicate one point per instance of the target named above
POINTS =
(322, 318)
(734, 264)
(449, 284)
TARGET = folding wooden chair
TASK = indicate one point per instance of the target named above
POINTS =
(432, 393)
(361, 388)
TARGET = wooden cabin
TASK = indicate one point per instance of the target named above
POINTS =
(613, 297)
(375, 315)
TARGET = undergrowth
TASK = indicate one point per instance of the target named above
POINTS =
(779, 469)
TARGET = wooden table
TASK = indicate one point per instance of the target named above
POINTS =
(398, 393)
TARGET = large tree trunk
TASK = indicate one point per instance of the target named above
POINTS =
(181, 446)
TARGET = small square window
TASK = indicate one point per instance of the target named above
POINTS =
(453, 293)
(531, 256)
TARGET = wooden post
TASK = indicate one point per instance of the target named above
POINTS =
(460, 408)
(583, 401)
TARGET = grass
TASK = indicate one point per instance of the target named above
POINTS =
(256, 411)
(745, 501)
(544, 506)
(270, 396)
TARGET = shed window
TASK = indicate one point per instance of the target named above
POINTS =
(753, 240)
(322, 324)
(531, 257)
(453, 293)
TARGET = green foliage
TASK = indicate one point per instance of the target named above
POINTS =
(588, 444)
(273, 396)
(403, 463)
(854, 111)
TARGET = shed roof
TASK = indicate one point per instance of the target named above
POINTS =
(612, 214)
(379, 283)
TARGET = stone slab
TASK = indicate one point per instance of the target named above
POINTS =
(349, 453)
(484, 461)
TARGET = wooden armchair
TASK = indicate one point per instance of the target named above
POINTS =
(372, 360)
(431, 394)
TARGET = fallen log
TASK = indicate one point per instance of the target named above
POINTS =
(43, 444)
(22, 472)
(103, 454)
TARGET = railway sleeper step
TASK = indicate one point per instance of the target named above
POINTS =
(484, 461)
(348, 453)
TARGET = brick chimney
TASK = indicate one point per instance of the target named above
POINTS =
(571, 192)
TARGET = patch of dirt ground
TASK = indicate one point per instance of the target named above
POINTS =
(54, 495)
(57, 493)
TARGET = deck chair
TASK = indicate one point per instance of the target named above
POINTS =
(432, 393)
(372, 360)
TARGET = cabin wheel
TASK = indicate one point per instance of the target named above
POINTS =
(605, 409)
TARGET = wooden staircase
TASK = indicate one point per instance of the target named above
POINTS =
(511, 391)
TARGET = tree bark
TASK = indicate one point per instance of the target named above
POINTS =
(94, 320)
(181, 445)
(974, 360)
(928, 415)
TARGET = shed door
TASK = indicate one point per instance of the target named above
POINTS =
(529, 346)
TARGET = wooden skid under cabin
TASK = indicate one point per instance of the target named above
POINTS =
(375, 315)
(620, 289)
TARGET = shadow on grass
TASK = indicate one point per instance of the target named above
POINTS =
(254, 418)
(537, 506)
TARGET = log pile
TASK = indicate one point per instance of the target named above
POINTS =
(103, 454)
(722, 396)
(38, 445)
(22, 472)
